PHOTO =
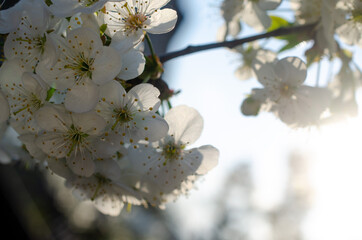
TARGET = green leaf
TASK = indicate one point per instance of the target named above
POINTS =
(103, 29)
(50, 94)
(277, 22)
(292, 41)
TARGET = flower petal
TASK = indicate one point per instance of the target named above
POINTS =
(162, 21)
(291, 70)
(82, 97)
(107, 65)
(185, 124)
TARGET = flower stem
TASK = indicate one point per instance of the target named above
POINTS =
(148, 39)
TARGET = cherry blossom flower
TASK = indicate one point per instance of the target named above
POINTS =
(30, 41)
(230, 10)
(295, 104)
(83, 65)
(167, 166)
(245, 71)
(328, 17)
(74, 136)
(11, 17)
(106, 189)
(133, 18)
(351, 31)
(26, 93)
(132, 115)
(251, 12)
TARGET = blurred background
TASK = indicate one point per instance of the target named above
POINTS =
(271, 183)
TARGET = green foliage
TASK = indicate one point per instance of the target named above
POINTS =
(278, 22)
(50, 93)
(292, 40)
(103, 29)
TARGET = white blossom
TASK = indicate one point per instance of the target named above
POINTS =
(252, 51)
(74, 136)
(167, 165)
(132, 115)
(351, 31)
(26, 93)
(327, 17)
(132, 18)
(106, 189)
(84, 64)
(251, 12)
(11, 17)
(30, 41)
(295, 104)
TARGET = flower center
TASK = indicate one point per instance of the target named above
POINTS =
(82, 66)
(35, 102)
(123, 115)
(171, 151)
(36, 42)
(286, 90)
(76, 137)
(134, 21)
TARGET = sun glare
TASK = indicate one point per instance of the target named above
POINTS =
(336, 177)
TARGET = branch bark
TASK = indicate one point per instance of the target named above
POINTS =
(231, 44)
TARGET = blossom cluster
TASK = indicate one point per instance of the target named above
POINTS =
(61, 91)
(331, 24)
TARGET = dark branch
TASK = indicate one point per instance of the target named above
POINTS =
(234, 43)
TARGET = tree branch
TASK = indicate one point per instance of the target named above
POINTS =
(231, 44)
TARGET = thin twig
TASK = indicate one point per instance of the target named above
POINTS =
(231, 44)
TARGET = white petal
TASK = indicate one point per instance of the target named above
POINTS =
(154, 5)
(50, 118)
(59, 167)
(4, 109)
(150, 127)
(30, 142)
(89, 122)
(185, 124)
(162, 21)
(112, 93)
(67, 8)
(255, 17)
(109, 168)
(269, 4)
(146, 95)
(234, 28)
(82, 97)
(291, 70)
(133, 64)
(81, 163)
(107, 65)
(10, 73)
(244, 72)
(210, 158)
(265, 72)
(109, 204)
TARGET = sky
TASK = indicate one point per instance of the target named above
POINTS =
(208, 84)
